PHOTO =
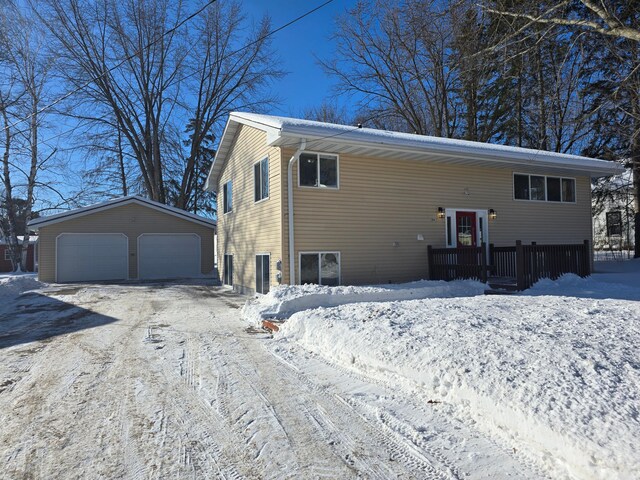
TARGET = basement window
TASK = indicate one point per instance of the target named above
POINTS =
(322, 268)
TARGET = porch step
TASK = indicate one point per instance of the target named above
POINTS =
(503, 283)
(500, 291)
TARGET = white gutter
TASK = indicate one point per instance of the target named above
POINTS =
(292, 260)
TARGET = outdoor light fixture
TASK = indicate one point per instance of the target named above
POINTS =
(440, 212)
(492, 214)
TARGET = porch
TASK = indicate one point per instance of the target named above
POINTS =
(512, 268)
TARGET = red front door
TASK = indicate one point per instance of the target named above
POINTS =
(466, 229)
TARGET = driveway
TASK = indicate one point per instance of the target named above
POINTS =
(165, 381)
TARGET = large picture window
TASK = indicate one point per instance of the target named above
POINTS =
(544, 189)
(261, 180)
(318, 170)
(227, 197)
(322, 268)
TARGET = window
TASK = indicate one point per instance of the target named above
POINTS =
(537, 188)
(262, 273)
(7, 254)
(320, 268)
(227, 277)
(568, 190)
(261, 180)
(227, 197)
(318, 170)
(553, 189)
(541, 188)
(521, 187)
(614, 223)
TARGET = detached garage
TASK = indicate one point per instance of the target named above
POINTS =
(124, 239)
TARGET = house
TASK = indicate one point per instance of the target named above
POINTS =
(309, 202)
(5, 257)
(613, 212)
(124, 239)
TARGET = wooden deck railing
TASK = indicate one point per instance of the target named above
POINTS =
(525, 264)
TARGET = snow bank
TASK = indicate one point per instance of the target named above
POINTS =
(283, 301)
(12, 285)
(558, 377)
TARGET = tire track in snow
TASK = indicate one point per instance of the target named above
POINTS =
(447, 424)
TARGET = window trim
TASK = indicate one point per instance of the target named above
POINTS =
(259, 162)
(321, 252)
(337, 187)
(546, 195)
(264, 254)
(225, 191)
(7, 254)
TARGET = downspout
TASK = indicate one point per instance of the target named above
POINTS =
(292, 260)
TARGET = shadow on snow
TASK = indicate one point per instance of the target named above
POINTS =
(38, 317)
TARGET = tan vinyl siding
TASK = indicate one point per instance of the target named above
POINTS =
(133, 220)
(251, 228)
(382, 202)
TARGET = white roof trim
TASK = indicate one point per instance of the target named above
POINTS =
(118, 202)
(283, 131)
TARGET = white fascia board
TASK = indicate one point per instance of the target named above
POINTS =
(235, 120)
(498, 154)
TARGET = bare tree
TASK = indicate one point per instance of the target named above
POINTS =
(24, 75)
(395, 60)
(600, 17)
(329, 112)
(164, 86)
(614, 91)
(220, 75)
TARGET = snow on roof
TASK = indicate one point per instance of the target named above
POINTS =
(32, 239)
(118, 202)
(286, 131)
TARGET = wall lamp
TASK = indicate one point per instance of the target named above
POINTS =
(440, 212)
(492, 214)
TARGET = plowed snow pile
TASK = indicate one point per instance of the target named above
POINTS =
(557, 376)
(12, 285)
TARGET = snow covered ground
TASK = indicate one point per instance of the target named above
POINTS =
(553, 373)
(427, 380)
(165, 381)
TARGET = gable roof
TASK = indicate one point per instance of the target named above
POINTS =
(334, 138)
(119, 202)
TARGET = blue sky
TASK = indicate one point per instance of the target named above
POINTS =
(306, 85)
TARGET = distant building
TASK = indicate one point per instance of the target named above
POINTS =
(613, 212)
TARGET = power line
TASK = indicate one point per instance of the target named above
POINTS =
(109, 70)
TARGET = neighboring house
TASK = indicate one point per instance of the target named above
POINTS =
(366, 203)
(613, 212)
(124, 239)
(5, 258)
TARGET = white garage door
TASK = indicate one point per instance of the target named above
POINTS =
(168, 255)
(85, 257)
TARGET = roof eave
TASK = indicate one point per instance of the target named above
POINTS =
(593, 167)
(37, 223)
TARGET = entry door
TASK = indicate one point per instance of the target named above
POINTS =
(466, 229)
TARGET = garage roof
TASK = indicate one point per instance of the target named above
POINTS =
(347, 139)
(118, 202)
